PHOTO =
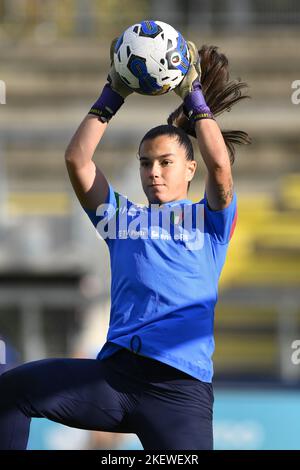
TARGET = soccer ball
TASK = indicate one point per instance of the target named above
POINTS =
(151, 57)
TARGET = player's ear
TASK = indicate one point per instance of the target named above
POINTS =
(190, 169)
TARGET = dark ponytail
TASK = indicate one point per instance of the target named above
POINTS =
(220, 94)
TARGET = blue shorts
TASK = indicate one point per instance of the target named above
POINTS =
(126, 393)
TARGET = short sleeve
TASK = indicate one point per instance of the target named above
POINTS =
(220, 224)
(106, 210)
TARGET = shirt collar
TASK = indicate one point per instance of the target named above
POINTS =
(175, 203)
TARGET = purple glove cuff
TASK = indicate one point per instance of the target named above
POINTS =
(108, 103)
(195, 104)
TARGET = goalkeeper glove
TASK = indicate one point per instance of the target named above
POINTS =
(190, 90)
(113, 94)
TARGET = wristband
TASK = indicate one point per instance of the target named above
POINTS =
(108, 103)
(195, 104)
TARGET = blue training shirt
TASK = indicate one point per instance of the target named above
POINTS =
(164, 282)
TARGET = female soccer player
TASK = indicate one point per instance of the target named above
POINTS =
(153, 376)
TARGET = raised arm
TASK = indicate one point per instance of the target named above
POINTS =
(89, 183)
(219, 183)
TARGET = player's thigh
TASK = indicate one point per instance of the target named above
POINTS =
(175, 417)
(75, 392)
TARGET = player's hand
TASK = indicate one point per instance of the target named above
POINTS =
(193, 75)
(114, 78)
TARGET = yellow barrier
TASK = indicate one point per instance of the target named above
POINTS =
(38, 203)
(290, 191)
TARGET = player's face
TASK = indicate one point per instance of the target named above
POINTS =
(164, 170)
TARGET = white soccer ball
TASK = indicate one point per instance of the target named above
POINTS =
(151, 57)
